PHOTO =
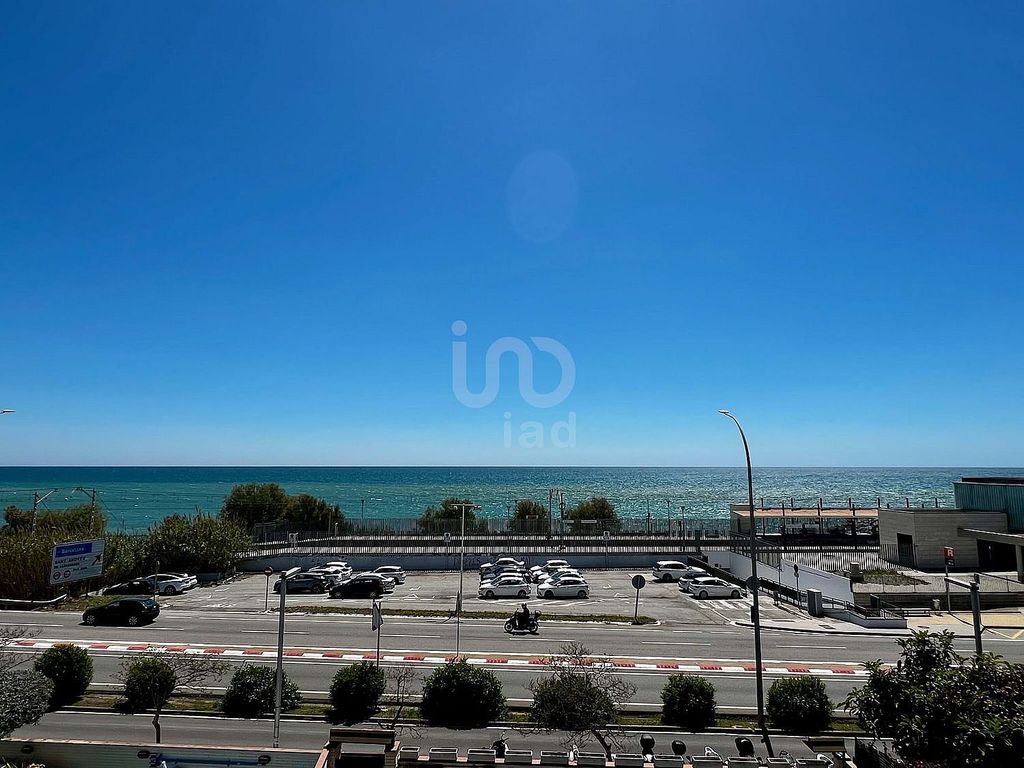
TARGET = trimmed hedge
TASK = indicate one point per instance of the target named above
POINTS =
(251, 692)
(689, 702)
(799, 705)
(356, 692)
(460, 696)
(69, 668)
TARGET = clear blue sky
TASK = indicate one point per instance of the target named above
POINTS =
(240, 233)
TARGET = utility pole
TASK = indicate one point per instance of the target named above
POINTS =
(36, 501)
(462, 569)
(755, 613)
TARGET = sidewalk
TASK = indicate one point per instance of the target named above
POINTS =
(1007, 624)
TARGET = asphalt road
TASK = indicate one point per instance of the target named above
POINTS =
(710, 645)
(312, 735)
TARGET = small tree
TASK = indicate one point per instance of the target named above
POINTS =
(458, 695)
(596, 508)
(24, 698)
(252, 503)
(252, 688)
(69, 668)
(941, 709)
(530, 515)
(401, 681)
(448, 516)
(580, 698)
(689, 702)
(150, 679)
(356, 692)
(799, 704)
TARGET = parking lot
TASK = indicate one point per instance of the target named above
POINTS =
(611, 593)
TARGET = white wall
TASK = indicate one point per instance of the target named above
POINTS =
(831, 585)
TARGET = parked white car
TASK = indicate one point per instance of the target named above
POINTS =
(172, 583)
(395, 572)
(503, 562)
(538, 572)
(345, 567)
(561, 574)
(332, 573)
(569, 586)
(712, 586)
(504, 586)
(673, 570)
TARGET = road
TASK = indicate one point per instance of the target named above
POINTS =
(306, 734)
(646, 654)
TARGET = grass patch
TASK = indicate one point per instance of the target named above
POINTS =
(352, 611)
(81, 603)
(890, 576)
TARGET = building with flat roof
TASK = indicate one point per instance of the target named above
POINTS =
(985, 528)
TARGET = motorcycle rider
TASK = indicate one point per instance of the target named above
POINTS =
(523, 617)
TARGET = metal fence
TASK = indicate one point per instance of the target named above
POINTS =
(410, 526)
(382, 543)
(831, 557)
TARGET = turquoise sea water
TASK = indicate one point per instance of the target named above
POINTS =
(135, 497)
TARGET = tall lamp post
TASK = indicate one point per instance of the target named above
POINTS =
(755, 613)
(279, 680)
(462, 567)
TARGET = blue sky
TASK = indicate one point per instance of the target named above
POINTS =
(240, 233)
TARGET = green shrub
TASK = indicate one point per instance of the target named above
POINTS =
(24, 696)
(460, 696)
(799, 704)
(148, 684)
(356, 692)
(251, 692)
(689, 702)
(69, 668)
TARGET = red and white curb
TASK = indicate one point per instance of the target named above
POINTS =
(478, 659)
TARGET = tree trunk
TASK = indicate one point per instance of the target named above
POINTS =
(156, 724)
(604, 744)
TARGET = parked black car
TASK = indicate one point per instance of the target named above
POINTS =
(365, 585)
(304, 582)
(128, 610)
(133, 587)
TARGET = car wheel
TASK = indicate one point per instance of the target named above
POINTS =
(523, 593)
(666, 577)
(581, 594)
(703, 595)
(169, 590)
(318, 589)
(549, 594)
(735, 594)
(489, 594)
(90, 620)
(377, 594)
(133, 621)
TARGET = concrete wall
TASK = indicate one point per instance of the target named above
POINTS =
(933, 529)
(830, 584)
(75, 754)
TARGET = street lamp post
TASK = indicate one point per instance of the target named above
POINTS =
(462, 568)
(755, 613)
(279, 680)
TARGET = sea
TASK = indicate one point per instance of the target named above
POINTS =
(134, 498)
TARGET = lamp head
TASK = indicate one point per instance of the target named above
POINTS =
(724, 412)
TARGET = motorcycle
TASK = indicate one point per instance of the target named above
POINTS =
(500, 746)
(532, 625)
